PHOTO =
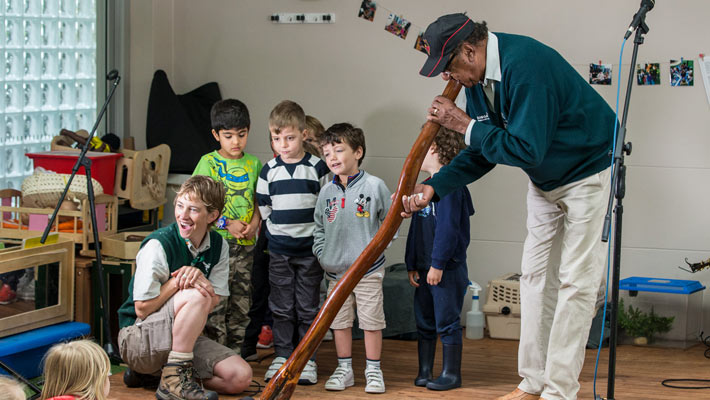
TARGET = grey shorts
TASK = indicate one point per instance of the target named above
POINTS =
(145, 345)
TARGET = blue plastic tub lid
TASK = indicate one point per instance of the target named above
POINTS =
(44, 336)
(660, 285)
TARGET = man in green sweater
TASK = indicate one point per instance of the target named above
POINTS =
(527, 107)
(181, 275)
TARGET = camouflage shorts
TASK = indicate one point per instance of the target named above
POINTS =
(229, 319)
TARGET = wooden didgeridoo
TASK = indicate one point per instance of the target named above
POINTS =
(284, 382)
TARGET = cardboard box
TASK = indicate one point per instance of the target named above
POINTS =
(124, 245)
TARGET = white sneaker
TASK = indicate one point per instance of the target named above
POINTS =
(26, 286)
(342, 377)
(274, 367)
(375, 380)
(309, 376)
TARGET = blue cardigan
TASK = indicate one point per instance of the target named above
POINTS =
(547, 120)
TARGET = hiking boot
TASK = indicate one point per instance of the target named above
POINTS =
(178, 383)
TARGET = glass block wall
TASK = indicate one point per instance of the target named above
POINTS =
(48, 78)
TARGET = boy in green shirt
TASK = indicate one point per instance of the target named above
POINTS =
(240, 219)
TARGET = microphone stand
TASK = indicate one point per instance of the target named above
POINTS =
(618, 191)
(85, 162)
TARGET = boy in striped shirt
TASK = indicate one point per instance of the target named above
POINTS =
(287, 191)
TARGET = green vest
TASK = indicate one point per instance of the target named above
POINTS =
(178, 256)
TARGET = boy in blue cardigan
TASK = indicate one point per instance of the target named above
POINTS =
(436, 261)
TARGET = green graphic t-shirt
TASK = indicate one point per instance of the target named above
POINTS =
(239, 178)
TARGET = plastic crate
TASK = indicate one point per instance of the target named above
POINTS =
(502, 308)
(103, 165)
(682, 299)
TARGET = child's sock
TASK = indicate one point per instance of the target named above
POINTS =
(177, 357)
(375, 364)
(346, 362)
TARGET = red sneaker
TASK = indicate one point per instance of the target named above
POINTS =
(7, 296)
(266, 338)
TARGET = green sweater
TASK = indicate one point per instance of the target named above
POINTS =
(547, 120)
(178, 256)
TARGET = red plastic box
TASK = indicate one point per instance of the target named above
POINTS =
(103, 165)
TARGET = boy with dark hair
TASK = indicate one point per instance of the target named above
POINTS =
(238, 172)
(181, 274)
(287, 192)
(436, 261)
(349, 212)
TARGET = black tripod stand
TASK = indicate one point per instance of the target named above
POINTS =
(85, 162)
(618, 191)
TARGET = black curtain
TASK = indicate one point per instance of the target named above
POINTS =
(182, 121)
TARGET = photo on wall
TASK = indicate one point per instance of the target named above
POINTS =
(682, 72)
(397, 25)
(367, 10)
(600, 74)
(421, 44)
(649, 74)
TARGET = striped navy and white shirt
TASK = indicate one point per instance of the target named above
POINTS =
(287, 194)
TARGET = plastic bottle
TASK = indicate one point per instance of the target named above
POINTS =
(474, 317)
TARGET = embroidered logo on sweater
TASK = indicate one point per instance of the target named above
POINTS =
(361, 203)
(331, 209)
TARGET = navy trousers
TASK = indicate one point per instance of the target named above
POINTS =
(437, 309)
(294, 298)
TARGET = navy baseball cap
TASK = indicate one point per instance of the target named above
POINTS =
(441, 38)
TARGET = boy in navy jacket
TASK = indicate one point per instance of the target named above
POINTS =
(436, 260)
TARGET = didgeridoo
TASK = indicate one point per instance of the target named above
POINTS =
(284, 382)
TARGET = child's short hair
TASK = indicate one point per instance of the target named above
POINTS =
(285, 114)
(11, 389)
(229, 114)
(345, 133)
(448, 144)
(76, 368)
(207, 190)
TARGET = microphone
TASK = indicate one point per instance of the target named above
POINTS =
(112, 75)
(646, 6)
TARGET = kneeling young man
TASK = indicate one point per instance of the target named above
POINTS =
(181, 274)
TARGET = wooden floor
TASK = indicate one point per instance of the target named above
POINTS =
(489, 370)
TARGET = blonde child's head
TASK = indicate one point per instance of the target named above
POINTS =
(11, 389)
(314, 129)
(79, 368)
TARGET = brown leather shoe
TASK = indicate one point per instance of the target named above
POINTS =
(518, 394)
(178, 383)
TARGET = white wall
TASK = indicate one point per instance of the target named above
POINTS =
(355, 71)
